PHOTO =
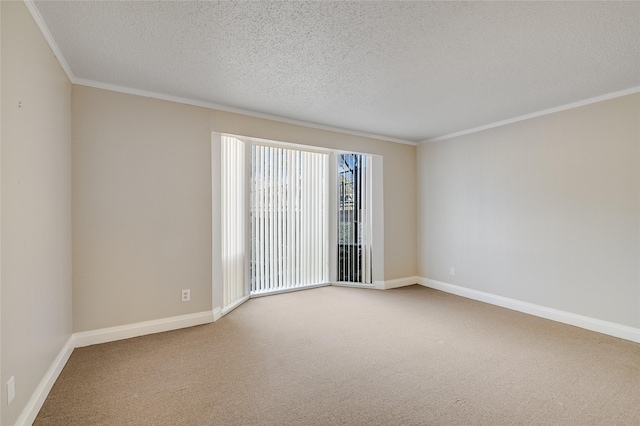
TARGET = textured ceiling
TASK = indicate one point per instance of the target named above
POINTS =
(403, 70)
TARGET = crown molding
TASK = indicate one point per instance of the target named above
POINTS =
(572, 105)
(210, 105)
(220, 107)
(35, 13)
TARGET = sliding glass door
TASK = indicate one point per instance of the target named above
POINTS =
(289, 221)
(354, 218)
(293, 217)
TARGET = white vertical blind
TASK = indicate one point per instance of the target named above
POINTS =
(288, 219)
(366, 224)
(354, 218)
(233, 217)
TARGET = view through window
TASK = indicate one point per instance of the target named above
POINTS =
(354, 218)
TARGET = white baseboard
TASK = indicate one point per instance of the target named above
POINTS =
(234, 305)
(217, 314)
(86, 338)
(400, 282)
(593, 324)
(289, 290)
(375, 285)
(33, 406)
(104, 335)
(128, 331)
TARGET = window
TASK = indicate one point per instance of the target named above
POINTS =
(354, 218)
(288, 219)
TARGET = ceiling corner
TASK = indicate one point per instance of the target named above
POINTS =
(49, 38)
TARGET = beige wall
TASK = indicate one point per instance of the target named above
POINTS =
(141, 208)
(36, 207)
(142, 202)
(544, 211)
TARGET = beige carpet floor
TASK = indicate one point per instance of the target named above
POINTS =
(344, 356)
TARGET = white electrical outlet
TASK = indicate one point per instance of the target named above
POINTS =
(186, 295)
(452, 271)
(11, 389)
